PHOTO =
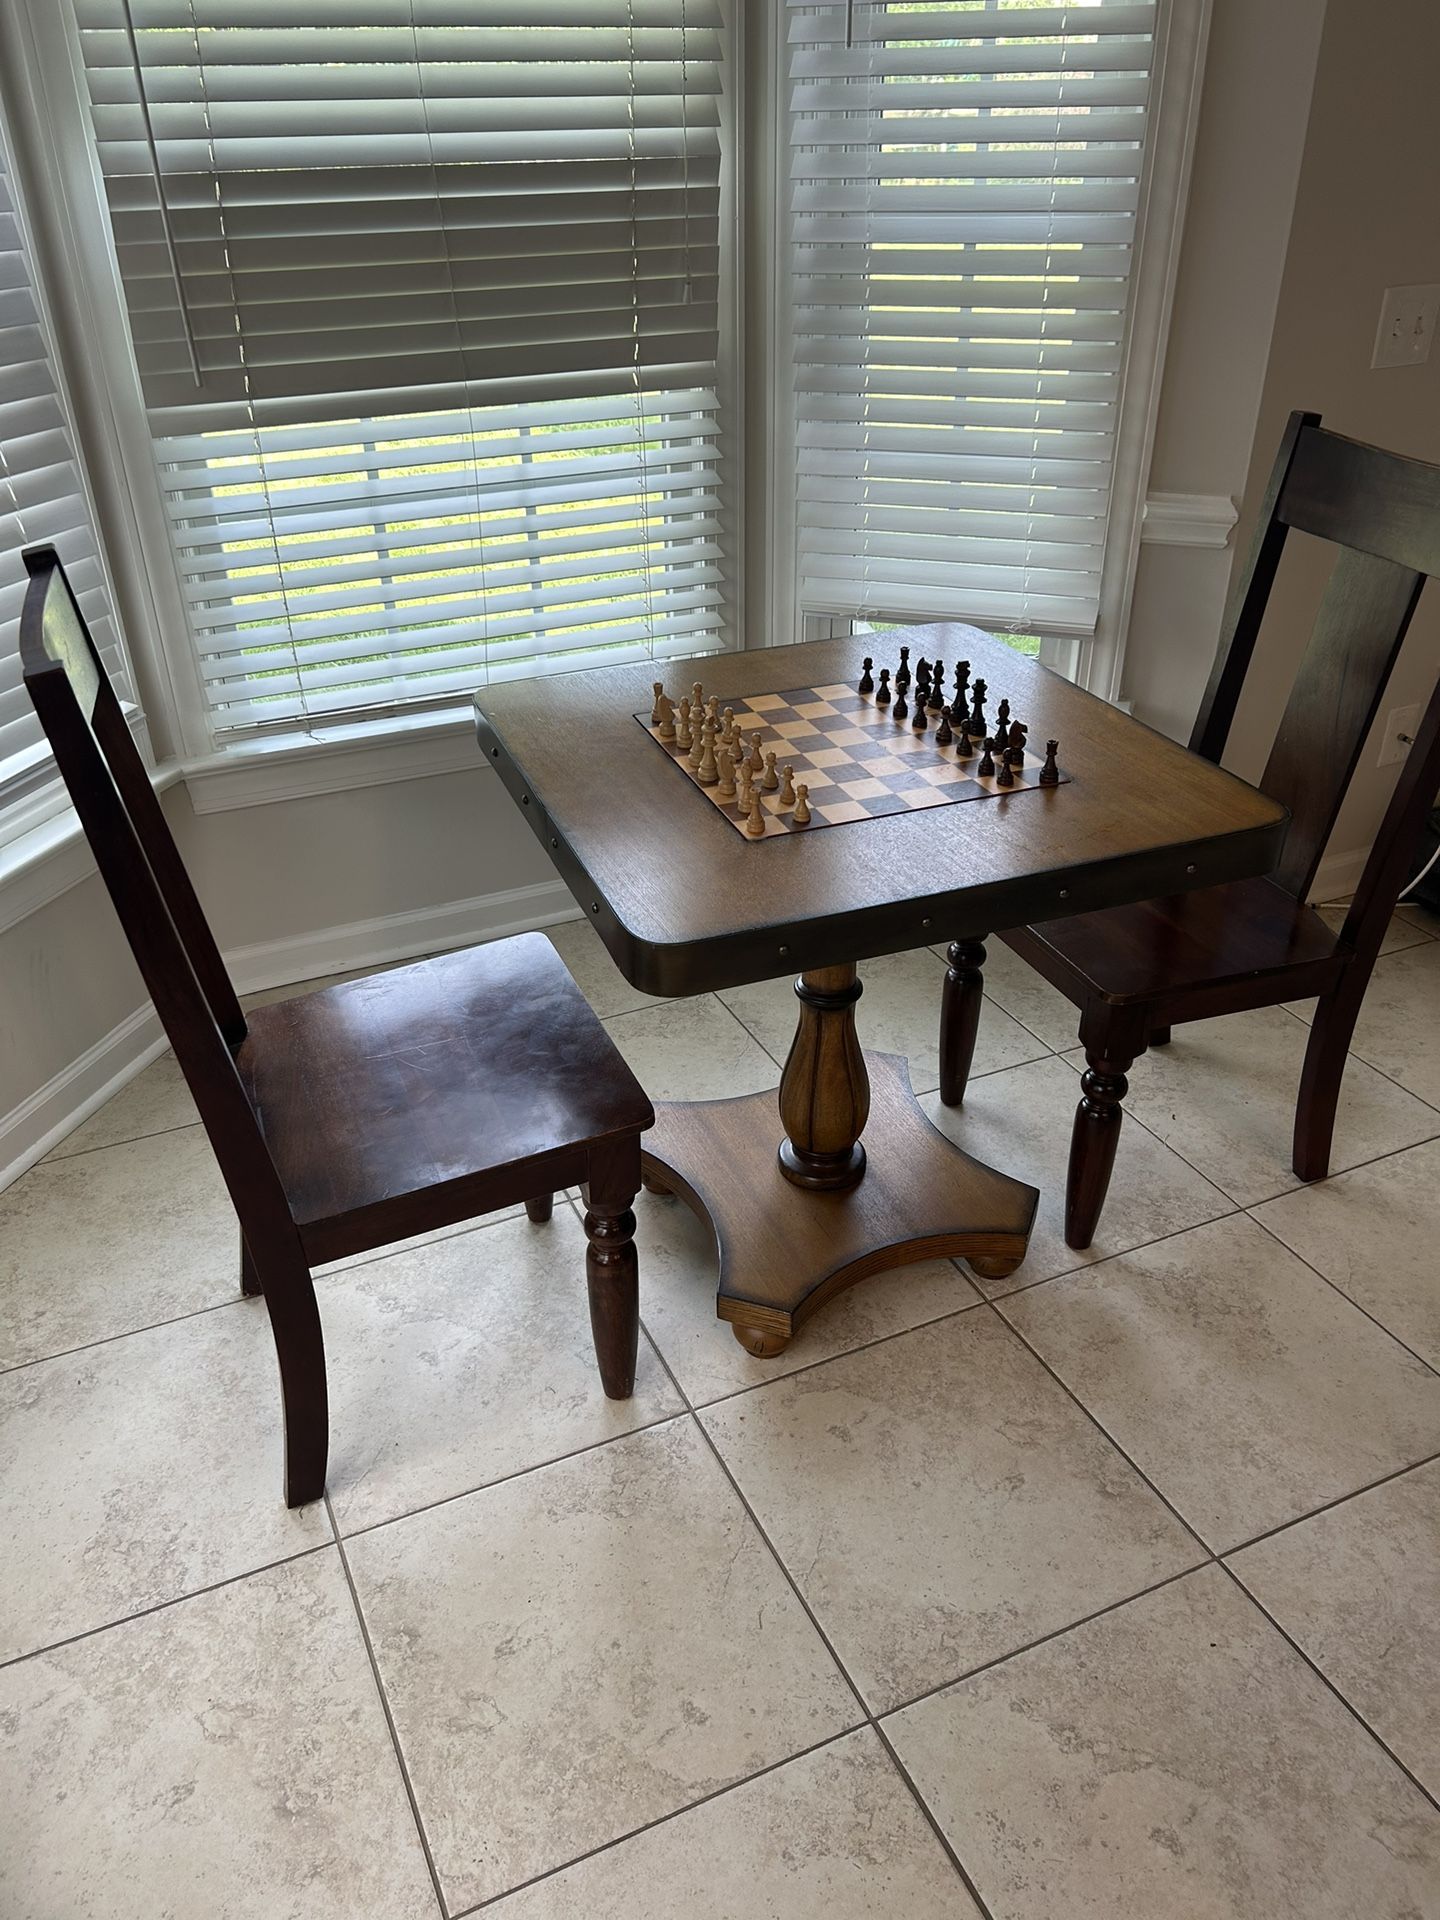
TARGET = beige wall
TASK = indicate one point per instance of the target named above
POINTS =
(1364, 218)
(1256, 99)
(1367, 217)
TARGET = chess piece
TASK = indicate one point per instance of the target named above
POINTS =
(747, 787)
(771, 779)
(1002, 722)
(902, 672)
(697, 701)
(682, 732)
(707, 772)
(801, 815)
(937, 688)
(725, 767)
(944, 733)
(1004, 773)
(986, 768)
(977, 709)
(663, 718)
(901, 709)
(755, 819)
(960, 705)
(1015, 752)
(921, 720)
(757, 758)
(657, 687)
(787, 787)
(922, 676)
(882, 697)
(1050, 773)
(867, 679)
(727, 732)
(965, 750)
(697, 736)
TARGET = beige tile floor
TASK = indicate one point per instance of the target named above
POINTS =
(1113, 1590)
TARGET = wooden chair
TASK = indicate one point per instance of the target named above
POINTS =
(357, 1115)
(1134, 972)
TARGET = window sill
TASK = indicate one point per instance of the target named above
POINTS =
(294, 766)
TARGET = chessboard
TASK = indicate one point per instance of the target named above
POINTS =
(849, 758)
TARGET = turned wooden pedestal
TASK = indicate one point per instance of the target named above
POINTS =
(800, 1216)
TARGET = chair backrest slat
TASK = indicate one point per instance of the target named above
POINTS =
(139, 864)
(1382, 512)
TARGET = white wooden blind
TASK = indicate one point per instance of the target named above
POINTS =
(424, 296)
(42, 497)
(965, 180)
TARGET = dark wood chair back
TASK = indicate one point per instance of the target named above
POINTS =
(1382, 511)
(143, 874)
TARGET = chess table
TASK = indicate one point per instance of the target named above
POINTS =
(849, 1177)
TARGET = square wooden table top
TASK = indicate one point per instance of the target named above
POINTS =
(685, 904)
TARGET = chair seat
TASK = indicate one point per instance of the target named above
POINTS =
(1181, 945)
(424, 1079)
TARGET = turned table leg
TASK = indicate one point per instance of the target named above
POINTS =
(825, 1089)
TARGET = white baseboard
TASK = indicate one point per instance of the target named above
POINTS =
(1339, 874)
(29, 1132)
(43, 1120)
(399, 936)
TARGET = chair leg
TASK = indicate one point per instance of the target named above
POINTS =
(1325, 1056)
(960, 1001)
(612, 1270)
(540, 1208)
(1159, 1036)
(1093, 1140)
(249, 1279)
(300, 1349)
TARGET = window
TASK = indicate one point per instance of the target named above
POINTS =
(426, 302)
(965, 185)
(42, 498)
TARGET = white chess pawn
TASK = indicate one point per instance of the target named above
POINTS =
(787, 788)
(801, 815)
(772, 779)
(755, 819)
(682, 732)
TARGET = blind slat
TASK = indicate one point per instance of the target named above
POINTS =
(964, 184)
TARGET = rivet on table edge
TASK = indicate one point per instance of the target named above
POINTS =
(1064, 893)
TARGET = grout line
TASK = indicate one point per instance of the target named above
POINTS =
(1119, 1253)
(1099, 1426)
(55, 1156)
(161, 1606)
(1335, 1287)
(932, 1821)
(238, 1299)
(660, 1820)
(1327, 1682)
(384, 1700)
(1312, 1513)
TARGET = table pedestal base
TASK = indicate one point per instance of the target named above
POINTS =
(784, 1251)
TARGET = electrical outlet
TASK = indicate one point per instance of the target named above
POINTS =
(1407, 323)
(1400, 725)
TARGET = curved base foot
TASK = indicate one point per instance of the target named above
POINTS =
(652, 1183)
(763, 1345)
(991, 1266)
(785, 1250)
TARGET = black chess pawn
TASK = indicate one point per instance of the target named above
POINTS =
(986, 768)
(901, 709)
(1002, 722)
(937, 688)
(867, 682)
(944, 733)
(882, 697)
(977, 709)
(902, 672)
(921, 719)
(1004, 773)
(1050, 773)
(966, 748)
